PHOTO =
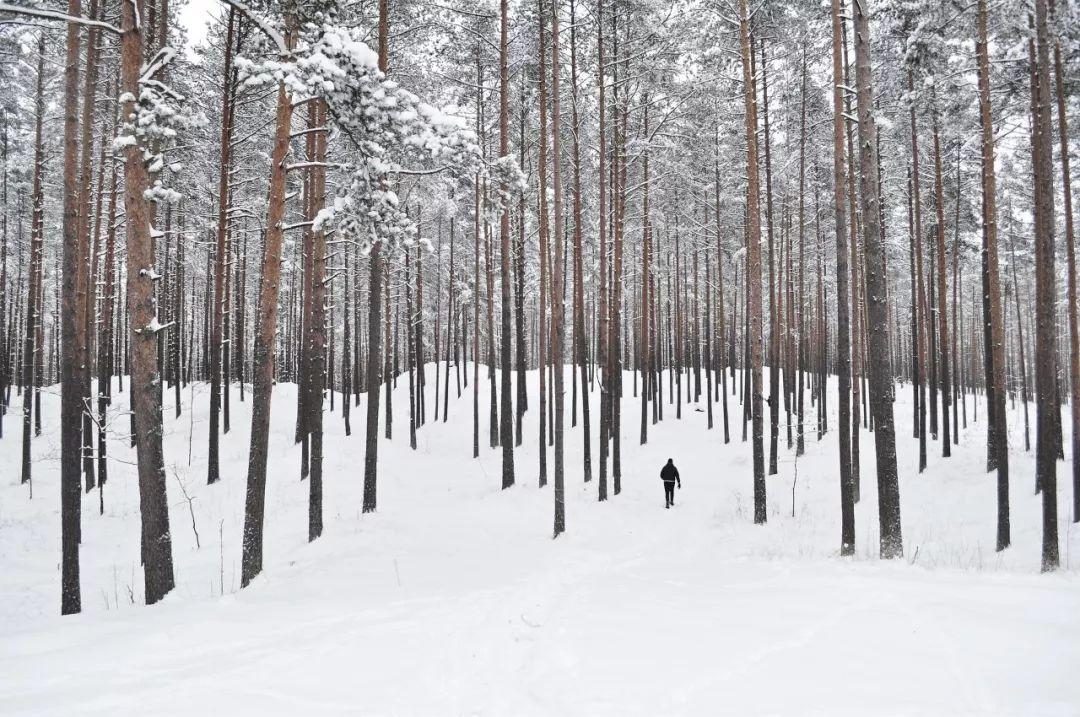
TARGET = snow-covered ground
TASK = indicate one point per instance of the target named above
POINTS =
(453, 599)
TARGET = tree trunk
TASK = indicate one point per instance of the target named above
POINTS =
(543, 241)
(506, 429)
(881, 379)
(145, 391)
(212, 467)
(942, 294)
(843, 328)
(1070, 246)
(71, 341)
(580, 353)
(602, 320)
(558, 276)
(1046, 294)
(34, 290)
(997, 432)
(265, 331)
(921, 307)
(753, 264)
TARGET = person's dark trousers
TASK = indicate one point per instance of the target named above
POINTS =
(669, 493)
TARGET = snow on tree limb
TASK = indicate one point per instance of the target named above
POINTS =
(57, 15)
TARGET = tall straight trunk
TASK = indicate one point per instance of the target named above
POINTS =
(881, 378)
(266, 329)
(997, 431)
(520, 362)
(580, 353)
(800, 442)
(618, 231)
(9, 329)
(774, 325)
(377, 274)
(922, 322)
(450, 337)
(1070, 247)
(957, 313)
(942, 295)
(602, 321)
(34, 290)
(316, 341)
(145, 391)
(708, 337)
(85, 287)
(721, 328)
(390, 341)
(843, 328)
(71, 338)
(1046, 293)
(854, 280)
(1020, 354)
(301, 334)
(212, 463)
(506, 428)
(105, 338)
(542, 289)
(753, 264)
(644, 324)
(410, 346)
(493, 393)
(418, 332)
(558, 276)
(476, 263)
(348, 373)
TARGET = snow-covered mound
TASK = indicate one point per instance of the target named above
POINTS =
(453, 599)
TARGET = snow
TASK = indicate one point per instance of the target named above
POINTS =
(454, 599)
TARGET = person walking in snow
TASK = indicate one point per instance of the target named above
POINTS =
(669, 474)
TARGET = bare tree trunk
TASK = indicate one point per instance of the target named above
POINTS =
(753, 264)
(542, 289)
(615, 352)
(644, 324)
(602, 322)
(774, 326)
(1070, 245)
(450, 338)
(145, 391)
(1046, 294)
(558, 276)
(377, 274)
(800, 442)
(212, 467)
(316, 342)
(854, 280)
(506, 429)
(266, 328)
(519, 286)
(34, 290)
(580, 353)
(881, 379)
(721, 329)
(105, 338)
(942, 294)
(85, 289)
(997, 433)
(843, 328)
(921, 307)
(71, 341)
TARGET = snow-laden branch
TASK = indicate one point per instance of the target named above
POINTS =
(57, 15)
(265, 27)
(163, 57)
